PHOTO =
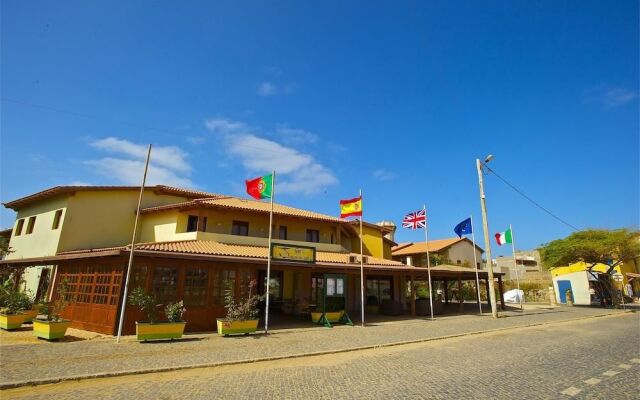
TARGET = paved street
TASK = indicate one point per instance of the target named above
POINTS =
(88, 357)
(589, 359)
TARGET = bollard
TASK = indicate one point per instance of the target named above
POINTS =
(552, 296)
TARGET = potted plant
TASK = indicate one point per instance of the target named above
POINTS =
(28, 307)
(151, 329)
(11, 316)
(50, 325)
(242, 316)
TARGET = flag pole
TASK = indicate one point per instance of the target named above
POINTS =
(426, 242)
(133, 241)
(361, 262)
(515, 264)
(475, 261)
(268, 286)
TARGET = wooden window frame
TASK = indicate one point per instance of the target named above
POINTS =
(238, 231)
(282, 229)
(191, 226)
(19, 227)
(31, 224)
(309, 235)
(56, 220)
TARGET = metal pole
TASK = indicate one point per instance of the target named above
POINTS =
(266, 310)
(487, 243)
(361, 262)
(133, 241)
(426, 242)
(515, 264)
(475, 261)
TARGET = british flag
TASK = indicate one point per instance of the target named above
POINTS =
(415, 220)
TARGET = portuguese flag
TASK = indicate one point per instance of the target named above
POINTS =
(504, 237)
(260, 188)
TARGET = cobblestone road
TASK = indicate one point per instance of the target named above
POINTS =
(589, 359)
(82, 358)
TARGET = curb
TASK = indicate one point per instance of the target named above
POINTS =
(37, 382)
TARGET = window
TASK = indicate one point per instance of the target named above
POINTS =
(204, 224)
(56, 220)
(313, 235)
(195, 287)
(19, 226)
(317, 296)
(459, 262)
(332, 239)
(192, 223)
(240, 228)
(378, 289)
(222, 280)
(31, 224)
(282, 233)
(165, 284)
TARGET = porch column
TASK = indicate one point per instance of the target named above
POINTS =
(460, 297)
(477, 285)
(413, 296)
(446, 292)
(501, 292)
(486, 286)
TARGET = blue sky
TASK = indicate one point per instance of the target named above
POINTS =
(398, 99)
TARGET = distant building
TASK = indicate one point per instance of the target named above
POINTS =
(452, 251)
(528, 262)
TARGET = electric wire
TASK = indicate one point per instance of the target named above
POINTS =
(535, 203)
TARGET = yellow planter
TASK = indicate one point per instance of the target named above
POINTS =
(235, 327)
(159, 330)
(50, 330)
(333, 316)
(11, 321)
(29, 315)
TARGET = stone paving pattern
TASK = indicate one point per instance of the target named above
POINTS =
(533, 363)
(84, 358)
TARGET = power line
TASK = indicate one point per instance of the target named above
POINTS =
(535, 203)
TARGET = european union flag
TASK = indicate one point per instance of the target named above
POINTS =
(463, 228)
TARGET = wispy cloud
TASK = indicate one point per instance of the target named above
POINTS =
(298, 171)
(383, 175)
(168, 164)
(296, 136)
(608, 96)
(266, 89)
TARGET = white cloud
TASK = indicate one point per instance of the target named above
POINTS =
(383, 175)
(168, 164)
(171, 157)
(129, 172)
(296, 136)
(222, 125)
(615, 97)
(267, 89)
(297, 172)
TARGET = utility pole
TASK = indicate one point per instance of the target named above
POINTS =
(487, 243)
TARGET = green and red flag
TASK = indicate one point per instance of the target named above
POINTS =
(504, 237)
(260, 188)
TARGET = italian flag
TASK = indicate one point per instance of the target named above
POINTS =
(504, 237)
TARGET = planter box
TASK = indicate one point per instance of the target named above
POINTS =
(159, 330)
(30, 315)
(332, 316)
(50, 330)
(11, 321)
(236, 327)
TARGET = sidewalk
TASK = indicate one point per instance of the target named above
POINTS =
(24, 364)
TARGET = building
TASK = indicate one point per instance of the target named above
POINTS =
(452, 251)
(529, 267)
(192, 246)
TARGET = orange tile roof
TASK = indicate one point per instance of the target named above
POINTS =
(236, 203)
(420, 247)
(207, 247)
(58, 190)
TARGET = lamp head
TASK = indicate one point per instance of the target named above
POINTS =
(488, 158)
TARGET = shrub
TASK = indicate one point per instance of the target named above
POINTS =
(53, 309)
(146, 302)
(174, 311)
(245, 309)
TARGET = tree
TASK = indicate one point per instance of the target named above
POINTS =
(592, 246)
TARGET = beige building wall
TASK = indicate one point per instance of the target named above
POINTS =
(463, 252)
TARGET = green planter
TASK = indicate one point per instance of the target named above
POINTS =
(159, 330)
(226, 327)
(50, 330)
(11, 321)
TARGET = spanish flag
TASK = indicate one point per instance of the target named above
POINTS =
(351, 207)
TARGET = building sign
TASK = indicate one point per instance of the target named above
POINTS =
(293, 253)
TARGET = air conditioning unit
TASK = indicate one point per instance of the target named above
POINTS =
(353, 259)
(365, 260)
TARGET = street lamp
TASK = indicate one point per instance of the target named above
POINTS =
(485, 226)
